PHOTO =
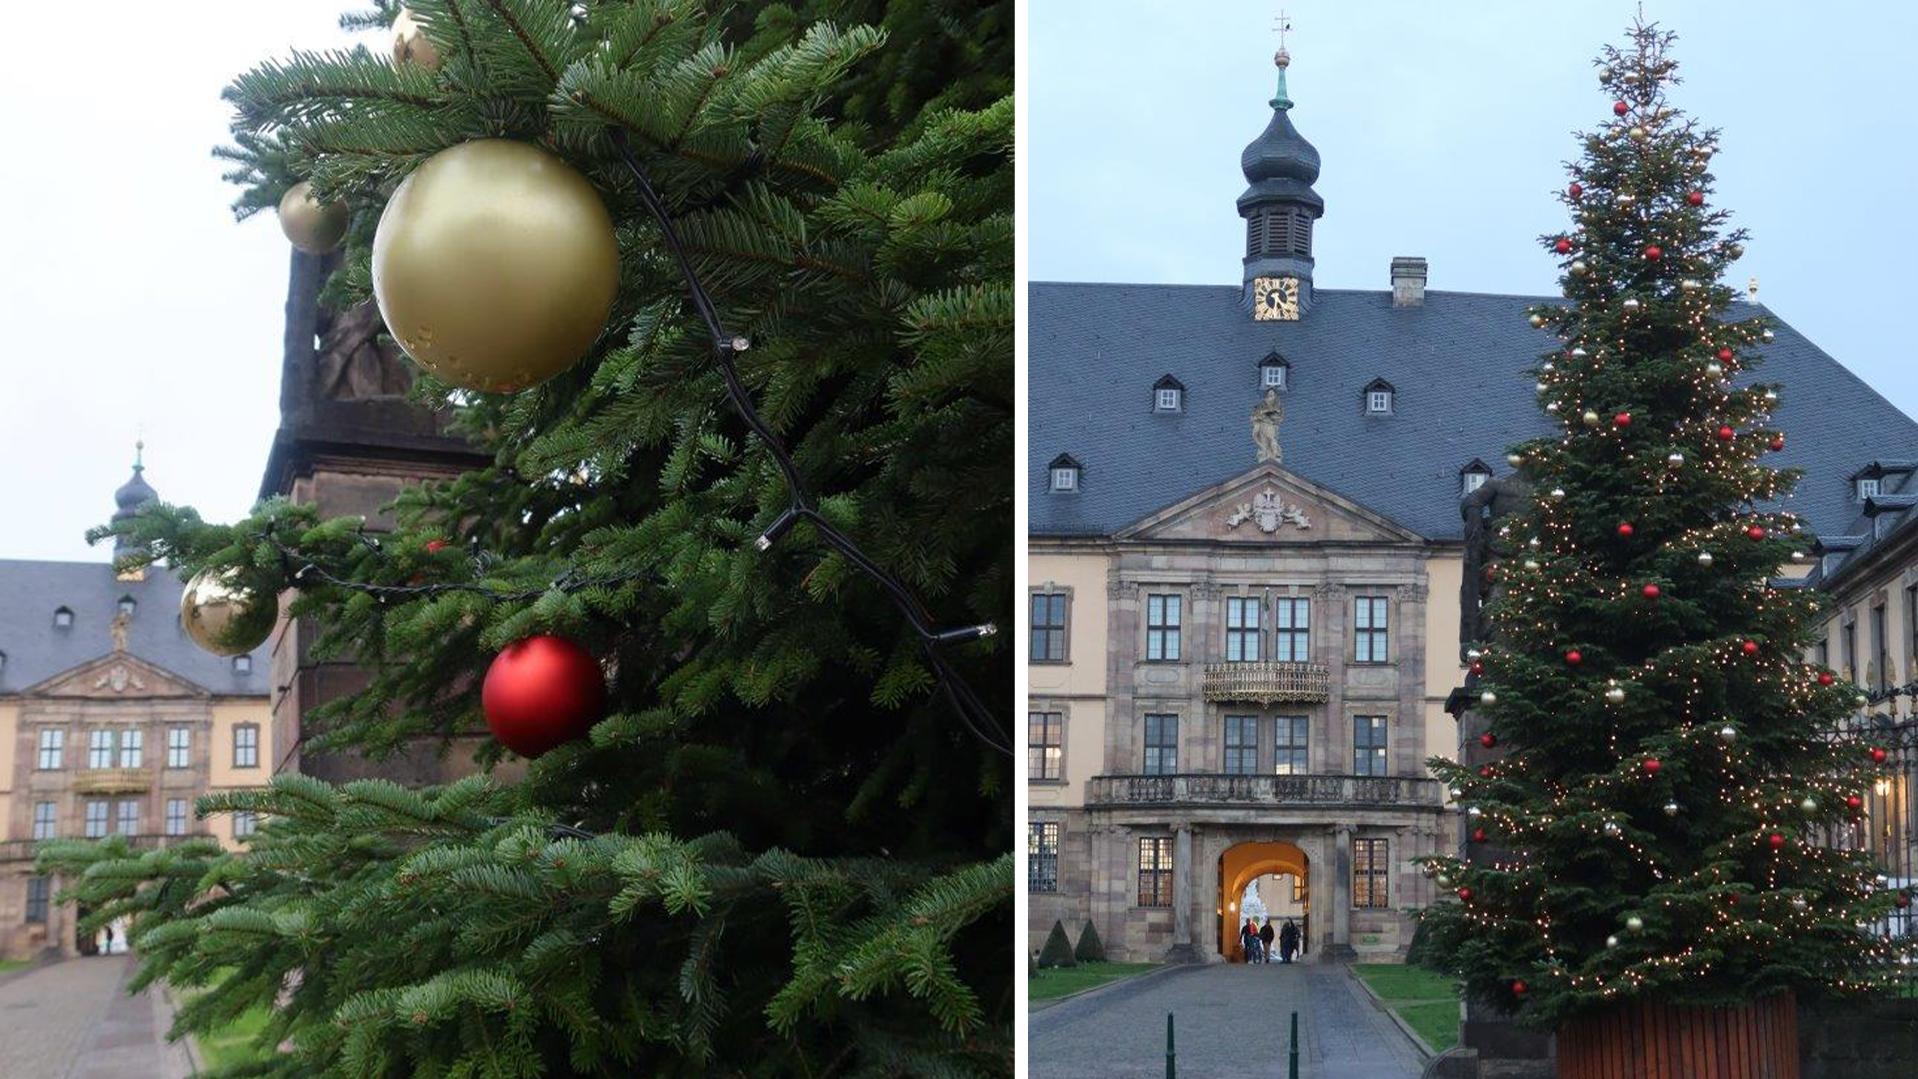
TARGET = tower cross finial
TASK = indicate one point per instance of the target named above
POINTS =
(1282, 25)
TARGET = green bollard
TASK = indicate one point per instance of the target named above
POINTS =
(1292, 1062)
(1171, 1060)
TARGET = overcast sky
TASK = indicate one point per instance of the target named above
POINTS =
(130, 301)
(1443, 128)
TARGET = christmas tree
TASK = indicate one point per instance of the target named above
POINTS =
(738, 563)
(1661, 820)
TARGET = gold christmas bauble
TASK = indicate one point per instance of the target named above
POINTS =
(309, 226)
(224, 616)
(410, 46)
(495, 265)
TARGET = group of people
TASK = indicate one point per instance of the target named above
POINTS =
(1256, 940)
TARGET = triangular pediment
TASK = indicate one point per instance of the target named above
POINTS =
(1266, 505)
(115, 676)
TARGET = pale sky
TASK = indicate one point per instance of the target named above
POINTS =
(1443, 128)
(130, 301)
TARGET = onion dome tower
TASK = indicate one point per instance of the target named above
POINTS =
(1279, 207)
(132, 494)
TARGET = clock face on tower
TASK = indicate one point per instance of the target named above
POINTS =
(1275, 299)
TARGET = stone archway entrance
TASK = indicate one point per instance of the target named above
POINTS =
(1239, 866)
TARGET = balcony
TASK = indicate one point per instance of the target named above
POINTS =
(1264, 790)
(1267, 682)
(111, 780)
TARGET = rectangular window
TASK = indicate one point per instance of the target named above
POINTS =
(1155, 871)
(1292, 630)
(1882, 646)
(1369, 629)
(133, 749)
(244, 823)
(1368, 745)
(1911, 631)
(1289, 754)
(176, 816)
(1371, 870)
(1851, 652)
(246, 745)
(1162, 619)
(1049, 627)
(52, 746)
(45, 820)
(100, 749)
(38, 891)
(1065, 479)
(1273, 376)
(1045, 745)
(1867, 488)
(96, 820)
(1161, 745)
(1241, 745)
(129, 817)
(1241, 629)
(1378, 401)
(1168, 400)
(1042, 856)
(179, 747)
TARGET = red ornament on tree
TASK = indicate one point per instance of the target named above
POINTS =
(1478, 835)
(542, 692)
(1625, 529)
(1731, 899)
(1756, 532)
(1575, 190)
(1852, 801)
(1488, 739)
(1878, 755)
(1485, 771)
(1726, 434)
(1777, 443)
(1824, 678)
(1574, 657)
(1653, 252)
(1651, 765)
(1623, 419)
(1777, 841)
(1465, 893)
(435, 546)
(1750, 648)
(1563, 246)
(1619, 108)
(1477, 667)
(1724, 355)
(1695, 198)
(1518, 988)
(1650, 591)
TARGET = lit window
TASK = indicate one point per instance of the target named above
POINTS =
(179, 747)
(1045, 744)
(1042, 856)
(1155, 871)
(62, 618)
(1065, 475)
(1371, 865)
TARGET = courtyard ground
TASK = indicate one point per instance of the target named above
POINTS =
(74, 1020)
(1232, 1021)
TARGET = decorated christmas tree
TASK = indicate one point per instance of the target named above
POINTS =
(726, 292)
(1665, 816)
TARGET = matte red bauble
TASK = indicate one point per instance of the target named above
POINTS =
(542, 692)
(1824, 678)
(1465, 893)
(1485, 771)
(1695, 198)
(1726, 434)
(1777, 443)
(1625, 529)
(1653, 252)
(1518, 988)
(1623, 419)
(1756, 532)
(1750, 648)
(1478, 835)
(1852, 801)
(1563, 246)
(1724, 355)
(1488, 739)
(1731, 899)
(1573, 657)
(435, 546)
(1619, 108)
(1777, 841)
(1651, 765)
(1877, 755)
(1575, 190)
(1478, 668)
(1650, 591)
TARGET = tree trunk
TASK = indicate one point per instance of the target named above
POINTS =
(1654, 1040)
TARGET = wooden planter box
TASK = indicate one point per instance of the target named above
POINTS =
(1651, 1040)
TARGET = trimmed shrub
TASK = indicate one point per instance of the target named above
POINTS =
(1058, 949)
(1091, 949)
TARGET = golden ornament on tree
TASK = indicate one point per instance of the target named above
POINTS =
(495, 265)
(311, 227)
(410, 44)
(224, 616)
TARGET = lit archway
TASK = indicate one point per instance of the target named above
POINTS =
(1241, 865)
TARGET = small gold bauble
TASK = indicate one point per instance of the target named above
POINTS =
(1514, 459)
(224, 616)
(1616, 695)
(1537, 320)
(495, 265)
(410, 45)
(1634, 923)
(309, 226)
(1590, 418)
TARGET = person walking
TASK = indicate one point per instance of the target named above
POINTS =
(1265, 940)
(1249, 942)
(1288, 941)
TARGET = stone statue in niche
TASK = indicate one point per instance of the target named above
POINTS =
(352, 364)
(1483, 511)
(1266, 417)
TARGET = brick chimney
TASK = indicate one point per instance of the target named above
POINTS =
(1408, 282)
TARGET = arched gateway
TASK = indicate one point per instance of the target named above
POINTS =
(1244, 863)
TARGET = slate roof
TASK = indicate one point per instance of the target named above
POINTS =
(1877, 522)
(35, 650)
(1457, 367)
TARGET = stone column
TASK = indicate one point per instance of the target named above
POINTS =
(1341, 913)
(1183, 950)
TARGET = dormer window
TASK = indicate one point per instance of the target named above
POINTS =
(1378, 398)
(1867, 487)
(1168, 395)
(1473, 476)
(62, 618)
(1065, 475)
(127, 605)
(1273, 371)
(242, 664)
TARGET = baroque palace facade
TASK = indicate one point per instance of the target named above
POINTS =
(112, 722)
(1248, 546)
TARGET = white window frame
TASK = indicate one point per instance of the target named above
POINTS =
(133, 748)
(179, 747)
(101, 748)
(246, 750)
(126, 817)
(245, 823)
(99, 818)
(1272, 376)
(1065, 479)
(1167, 399)
(1473, 480)
(53, 747)
(1869, 487)
(1378, 402)
(176, 814)
(46, 820)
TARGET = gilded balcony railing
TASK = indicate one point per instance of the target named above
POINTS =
(1263, 790)
(1267, 682)
(111, 780)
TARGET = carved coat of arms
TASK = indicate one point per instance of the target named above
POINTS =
(1268, 511)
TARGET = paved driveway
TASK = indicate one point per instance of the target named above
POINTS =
(74, 1020)
(1232, 1021)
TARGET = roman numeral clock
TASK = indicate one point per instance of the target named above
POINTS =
(1275, 299)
